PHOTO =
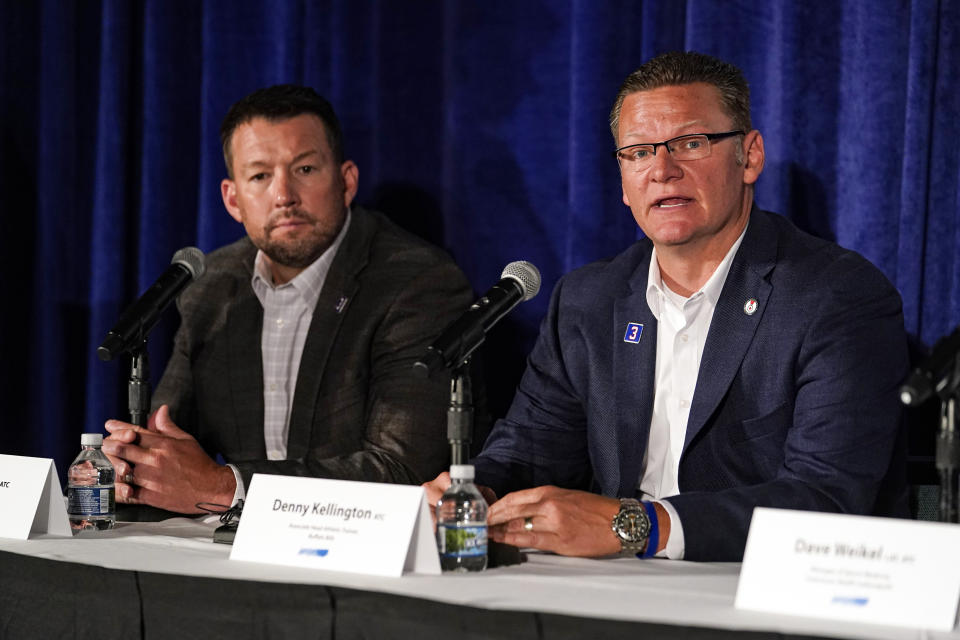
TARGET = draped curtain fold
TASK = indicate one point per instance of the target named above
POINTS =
(481, 126)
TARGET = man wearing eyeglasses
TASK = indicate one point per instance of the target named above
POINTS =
(727, 361)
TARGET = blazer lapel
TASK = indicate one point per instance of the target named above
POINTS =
(634, 368)
(733, 326)
(338, 289)
(245, 325)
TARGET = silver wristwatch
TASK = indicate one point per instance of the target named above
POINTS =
(631, 526)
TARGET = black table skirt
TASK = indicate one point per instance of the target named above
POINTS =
(42, 598)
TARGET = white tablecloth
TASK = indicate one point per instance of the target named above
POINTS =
(659, 591)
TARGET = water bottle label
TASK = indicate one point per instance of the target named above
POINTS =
(90, 501)
(461, 541)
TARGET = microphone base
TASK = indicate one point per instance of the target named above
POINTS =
(503, 555)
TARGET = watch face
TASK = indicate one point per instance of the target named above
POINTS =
(632, 525)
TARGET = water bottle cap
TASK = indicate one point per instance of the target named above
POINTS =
(91, 439)
(461, 471)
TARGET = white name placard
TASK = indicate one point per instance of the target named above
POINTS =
(31, 499)
(338, 525)
(857, 568)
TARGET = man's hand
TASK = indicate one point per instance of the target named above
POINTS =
(434, 490)
(441, 483)
(165, 467)
(571, 523)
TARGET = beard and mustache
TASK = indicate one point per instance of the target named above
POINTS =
(301, 250)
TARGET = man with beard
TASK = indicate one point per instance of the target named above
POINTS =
(295, 347)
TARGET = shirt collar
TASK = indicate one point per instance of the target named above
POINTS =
(711, 288)
(308, 282)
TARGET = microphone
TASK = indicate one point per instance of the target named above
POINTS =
(520, 281)
(133, 326)
(939, 371)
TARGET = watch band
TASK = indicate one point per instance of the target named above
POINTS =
(653, 540)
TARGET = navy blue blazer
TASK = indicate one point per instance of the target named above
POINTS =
(796, 405)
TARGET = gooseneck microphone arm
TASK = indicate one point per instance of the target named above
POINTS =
(947, 460)
(129, 335)
(138, 386)
(460, 414)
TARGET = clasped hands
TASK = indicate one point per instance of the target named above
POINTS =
(165, 467)
(566, 522)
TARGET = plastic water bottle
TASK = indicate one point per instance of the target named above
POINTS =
(90, 487)
(462, 523)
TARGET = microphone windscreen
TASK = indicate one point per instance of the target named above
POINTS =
(526, 274)
(192, 259)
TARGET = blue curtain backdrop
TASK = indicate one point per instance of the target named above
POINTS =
(480, 125)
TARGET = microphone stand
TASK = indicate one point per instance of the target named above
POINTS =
(948, 447)
(460, 435)
(138, 387)
(460, 413)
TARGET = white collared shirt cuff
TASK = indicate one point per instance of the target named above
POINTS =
(676, 544)
(241, 493)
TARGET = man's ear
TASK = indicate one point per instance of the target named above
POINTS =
(351, 179)
(754, 156)
(228, 191)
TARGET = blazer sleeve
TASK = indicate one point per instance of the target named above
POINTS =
(841, 413)
(176, 386)
(543, 438)
(203, 308)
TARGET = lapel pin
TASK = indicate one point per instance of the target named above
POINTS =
(750, 307)
(341, 303)
(634, 331)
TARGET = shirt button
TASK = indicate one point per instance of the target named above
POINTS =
(684, 404)
(279, 322)
(273, 386)
(684, 337)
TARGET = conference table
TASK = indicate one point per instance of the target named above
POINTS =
(169, 579)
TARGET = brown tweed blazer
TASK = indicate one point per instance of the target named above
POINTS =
(359, 412)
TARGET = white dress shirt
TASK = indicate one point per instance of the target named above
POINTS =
(287, 312)
(682, 327)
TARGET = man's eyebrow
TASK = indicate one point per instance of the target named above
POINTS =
(255, 164)
(682, 125)
(261, 164)
(305, 154)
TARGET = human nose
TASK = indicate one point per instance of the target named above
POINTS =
(664, 167)
(285, 194)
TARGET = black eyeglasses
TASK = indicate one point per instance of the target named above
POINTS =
(694, 146)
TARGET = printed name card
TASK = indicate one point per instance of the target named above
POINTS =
(339, 525)
(31, 499)
(857, 568)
